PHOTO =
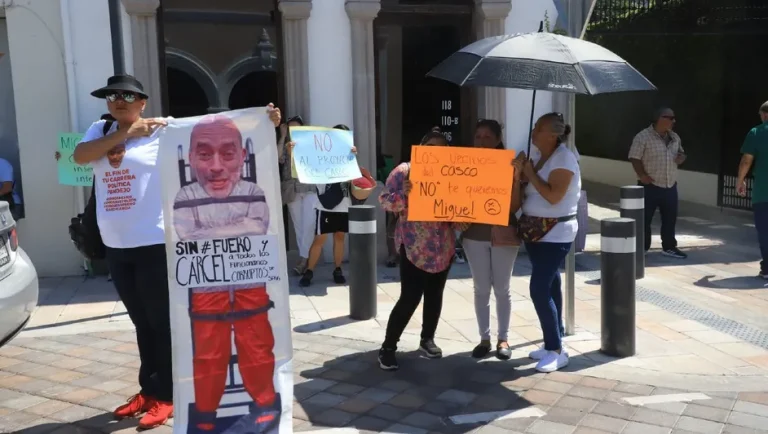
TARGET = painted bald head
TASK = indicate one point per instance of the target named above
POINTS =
(216, 154)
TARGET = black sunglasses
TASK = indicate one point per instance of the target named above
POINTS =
(128, 97)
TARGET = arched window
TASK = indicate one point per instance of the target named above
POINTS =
(254, 90)
(185, 95)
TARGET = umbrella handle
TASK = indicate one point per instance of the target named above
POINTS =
(530, 129)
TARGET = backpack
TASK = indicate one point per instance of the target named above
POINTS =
(84, 229)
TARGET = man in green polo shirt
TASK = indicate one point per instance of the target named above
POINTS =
(755, 150)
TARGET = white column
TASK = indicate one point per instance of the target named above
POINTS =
(491, 16)
(296, 51)
(361, 14)
(35, 41)
(146, 60)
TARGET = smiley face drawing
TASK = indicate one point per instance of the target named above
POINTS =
(115, 156)
(492, 207)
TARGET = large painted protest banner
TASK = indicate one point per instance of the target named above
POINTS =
(323, 155)
(469, 185)
(71, 173)
(230, 320)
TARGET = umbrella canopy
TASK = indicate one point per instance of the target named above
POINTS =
(541, 61)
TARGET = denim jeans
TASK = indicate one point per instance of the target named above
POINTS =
(546, 291)
(665, 199)
(761, 224)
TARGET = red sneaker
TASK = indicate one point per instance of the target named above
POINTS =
(136, 405)
(159, 414)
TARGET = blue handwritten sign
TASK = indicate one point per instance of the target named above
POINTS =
(71, 173)
(323, 155)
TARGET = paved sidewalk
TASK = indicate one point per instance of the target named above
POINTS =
(70, 383)
(702, 328)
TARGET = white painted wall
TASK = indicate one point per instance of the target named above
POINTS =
(330, 64)
(9, 143)
(40, 93)
(694, 187)
(92, 56)
(330, 81)
(525, 17)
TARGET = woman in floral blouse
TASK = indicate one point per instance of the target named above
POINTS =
(426, 250)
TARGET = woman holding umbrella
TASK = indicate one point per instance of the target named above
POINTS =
(548, 226)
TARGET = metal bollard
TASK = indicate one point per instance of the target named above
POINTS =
(633, 207)
(362, 262)
(617, 287)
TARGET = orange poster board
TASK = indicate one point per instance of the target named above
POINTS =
(454, 184)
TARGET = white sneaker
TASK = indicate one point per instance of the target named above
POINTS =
(540, 353)
(552, 361)
(537, 354)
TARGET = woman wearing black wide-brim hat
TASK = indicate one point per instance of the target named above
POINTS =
(129, 209)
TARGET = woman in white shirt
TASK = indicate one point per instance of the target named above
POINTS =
(548, 227)
(129, 211)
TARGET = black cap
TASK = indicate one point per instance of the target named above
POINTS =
(126, 83)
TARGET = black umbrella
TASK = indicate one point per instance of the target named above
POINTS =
(541, 61)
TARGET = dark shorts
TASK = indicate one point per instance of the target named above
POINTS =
(330, 222)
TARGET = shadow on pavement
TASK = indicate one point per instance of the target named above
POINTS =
(103, 423)
(454, 394)
(732, 283)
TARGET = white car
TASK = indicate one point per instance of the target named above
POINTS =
(18, 280)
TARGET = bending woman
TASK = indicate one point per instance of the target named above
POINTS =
(426, 250)
(548, 227)
(491, 252)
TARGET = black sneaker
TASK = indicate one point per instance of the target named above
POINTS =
(674, 253)
(338, 276)
(306, 279)
(429, 349)
(387, 360)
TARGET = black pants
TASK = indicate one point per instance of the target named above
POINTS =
(413, 283)
(665, 199)
(140, 276)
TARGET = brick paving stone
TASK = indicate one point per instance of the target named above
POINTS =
(748, 420)
(404, 429)
(563, 377)
(564, 416)
(23, 402)
(553, 386)
(377, 395)
(357, 405)
(421, 419)
(756, 397)
(654, 417)
(540, 397)
(547, 427)
(457, 396)
(519, 424)
(669, 407)
(751, 408)
(588, 430)
(388, 412)
(708, 413)
(407, 401)
(634, 389)
(75, 413)
(721, 403)
(576, 403)
(332, 417)
(48, 407)
(642, 428)
(598, 383)
(345, 389)
(735, 429)
(699, 425)
(614, 409)
(325, 400)
(444, 408)
(588, 392)
(370, 424)
(605, 423)
(80, 396)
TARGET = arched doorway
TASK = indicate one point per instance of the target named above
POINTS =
(255, 89)
(185, 95)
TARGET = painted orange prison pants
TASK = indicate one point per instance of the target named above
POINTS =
(212, 342)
